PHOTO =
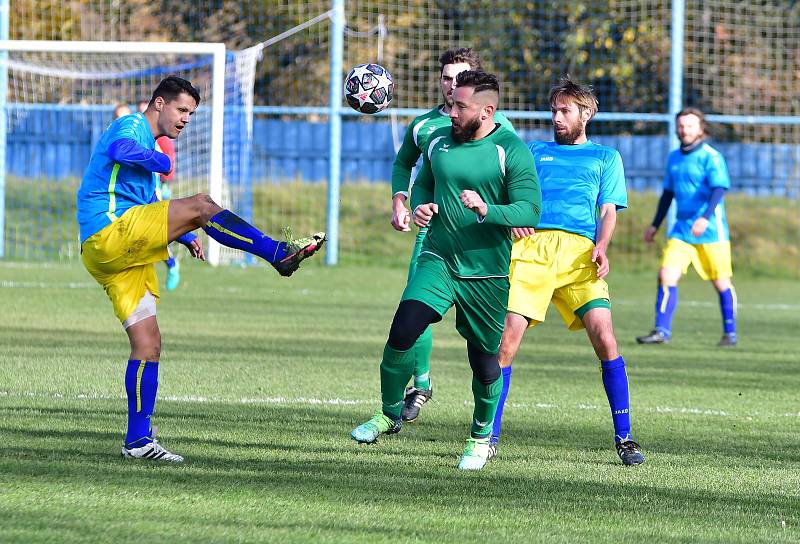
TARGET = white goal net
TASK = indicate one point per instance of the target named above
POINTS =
(61, 96)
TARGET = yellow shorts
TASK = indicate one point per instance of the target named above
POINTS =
(712, 261)
(121, 256)
(553, 265)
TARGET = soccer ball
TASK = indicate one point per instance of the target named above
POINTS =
(369, 88)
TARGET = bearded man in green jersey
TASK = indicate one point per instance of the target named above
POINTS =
(477, 181)
(452, 63)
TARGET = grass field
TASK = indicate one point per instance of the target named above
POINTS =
(263, 378)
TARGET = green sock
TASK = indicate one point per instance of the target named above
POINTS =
(422, 359)
(486, 398)
(396, 370)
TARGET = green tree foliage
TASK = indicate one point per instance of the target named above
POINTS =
(741, 57)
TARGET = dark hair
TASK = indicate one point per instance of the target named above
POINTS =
(480, 81)
(697, 113)
(172, 86)
(463, 54)
(582, 95)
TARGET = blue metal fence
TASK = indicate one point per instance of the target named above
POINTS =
(296, 149)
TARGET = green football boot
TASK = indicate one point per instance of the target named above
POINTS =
(476, 454)
(368, 433)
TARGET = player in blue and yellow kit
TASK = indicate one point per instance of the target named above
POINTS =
(697, 178)
(124, 230)
(164, 145)
(564, 261)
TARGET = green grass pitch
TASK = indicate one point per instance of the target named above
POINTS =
(263, 378)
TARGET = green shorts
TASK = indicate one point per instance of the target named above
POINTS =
(480, 303)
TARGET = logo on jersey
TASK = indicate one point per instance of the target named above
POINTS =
(444, 148)
(546, 158)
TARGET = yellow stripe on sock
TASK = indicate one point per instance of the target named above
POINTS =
(229, 233)
(139, 385)
(665, 298)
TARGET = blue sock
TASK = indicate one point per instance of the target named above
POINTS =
(727, 303)
(230, 230)
(498, 415)
(615, 381)
(141, 384)
(170, 262)
(666, 302)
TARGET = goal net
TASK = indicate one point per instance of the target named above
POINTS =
(58, 100)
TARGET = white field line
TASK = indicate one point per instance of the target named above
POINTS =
(306, 401)
(186, 398)
(12, 284)
(26, 265)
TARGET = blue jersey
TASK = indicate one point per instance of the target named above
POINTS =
(691, 177)
(109, 188)
(575, 181)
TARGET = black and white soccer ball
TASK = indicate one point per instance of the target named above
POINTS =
(369, 88)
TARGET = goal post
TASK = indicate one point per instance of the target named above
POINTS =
(87, 78)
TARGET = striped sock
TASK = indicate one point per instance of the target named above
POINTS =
(501, 404)
(141, 385)
(231, 230)
(666, 302)
(727, 304)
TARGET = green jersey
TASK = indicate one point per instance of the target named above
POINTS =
(416, 139)
(500, 168)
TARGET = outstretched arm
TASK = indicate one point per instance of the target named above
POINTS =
(130, 153)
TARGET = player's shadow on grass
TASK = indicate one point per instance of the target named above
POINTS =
(379, 482)
(256, 433)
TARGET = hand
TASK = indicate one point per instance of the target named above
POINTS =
(424, 213)
(599, 257)
(699, 226)
(196, 250)
(522, 232)
(650, 234)
(473, 201)
(400, 214)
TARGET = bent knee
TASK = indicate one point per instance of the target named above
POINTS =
(203, 208)
(402, 339)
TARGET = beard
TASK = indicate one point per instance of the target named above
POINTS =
(466, 131)
(569, 136)
(693, 142)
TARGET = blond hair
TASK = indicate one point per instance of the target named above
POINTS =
(581, 95)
